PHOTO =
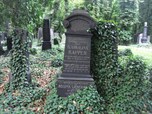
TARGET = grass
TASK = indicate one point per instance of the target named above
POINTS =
(145, 52)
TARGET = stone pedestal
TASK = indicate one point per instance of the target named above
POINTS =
(77, 55)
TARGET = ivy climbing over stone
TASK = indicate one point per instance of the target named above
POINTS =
(19, 59)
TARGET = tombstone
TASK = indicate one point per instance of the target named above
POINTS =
(8, 37)
(9, 43)
(23, 35)
(144, 38)
(40, 33)
(140, 38)
(77, 54)
(46, 35)
(2, 36)
(52, 35)
(148, 39)
(56, 38)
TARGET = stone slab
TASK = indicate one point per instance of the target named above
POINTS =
(68, 86)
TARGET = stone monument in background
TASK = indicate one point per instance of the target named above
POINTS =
(77, 55)
(143, 38)
(46, 44)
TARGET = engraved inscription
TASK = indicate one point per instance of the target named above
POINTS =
(71, 86)
(77, 55)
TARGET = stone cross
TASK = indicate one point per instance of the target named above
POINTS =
(77, 55)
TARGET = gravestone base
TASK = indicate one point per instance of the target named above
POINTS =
(67, 86)
(46, 45)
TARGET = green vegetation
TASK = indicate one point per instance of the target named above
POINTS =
(86, 101)
(122, 74)
(145, 52)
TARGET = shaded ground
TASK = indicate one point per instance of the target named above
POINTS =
(42, 73)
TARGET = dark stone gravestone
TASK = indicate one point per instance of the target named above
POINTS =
(46, 35)
(76, 68)
(8, 37)
(9, 43)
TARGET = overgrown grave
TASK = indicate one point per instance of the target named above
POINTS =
(121, 81)
(76, 68)
(20, 71)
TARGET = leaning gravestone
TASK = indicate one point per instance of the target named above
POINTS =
(46, 35)
(76, 68)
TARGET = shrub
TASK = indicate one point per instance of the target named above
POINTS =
(125, 37)
(86, 101)
(122, 83)
(49, 54)
(104, 58)
(133, 88)
(33, 51)
(57, 62)
(125, 52)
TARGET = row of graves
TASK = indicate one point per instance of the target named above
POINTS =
(46, 36)
(77, 55)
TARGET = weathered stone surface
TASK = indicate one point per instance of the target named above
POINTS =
(68, 86)
(76, 68)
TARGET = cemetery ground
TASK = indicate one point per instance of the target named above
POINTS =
(143, 51)
(44, 66)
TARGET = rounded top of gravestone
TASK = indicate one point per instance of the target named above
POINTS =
(145, 24)
(79, 21)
